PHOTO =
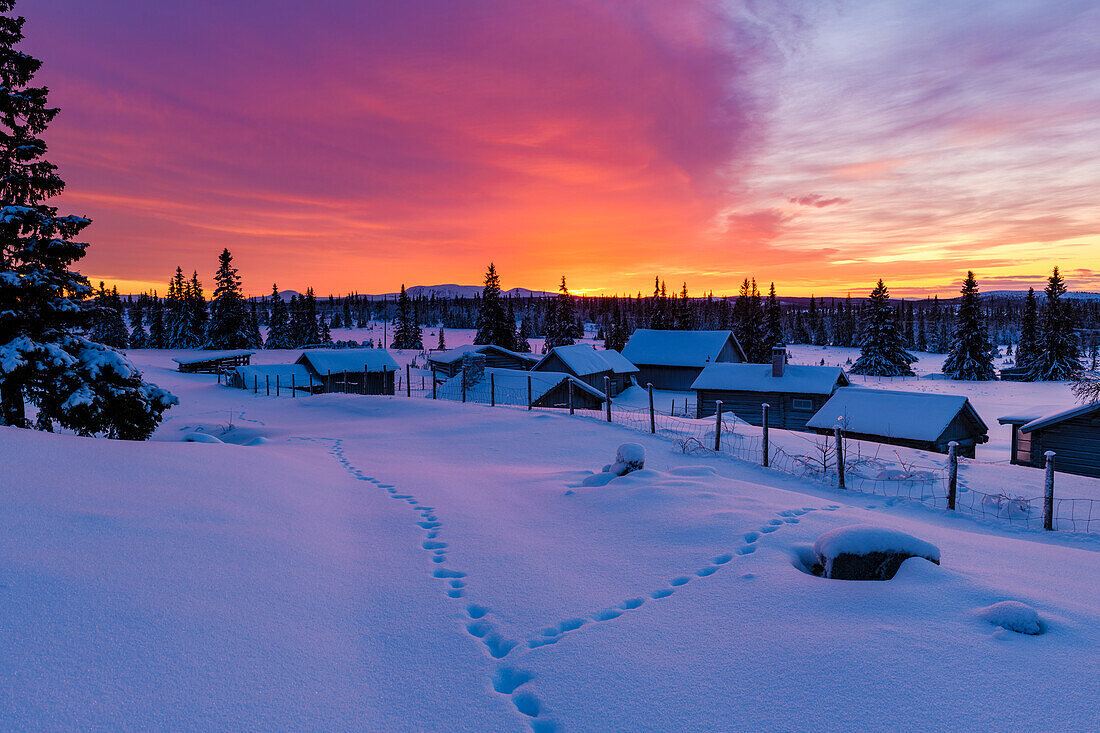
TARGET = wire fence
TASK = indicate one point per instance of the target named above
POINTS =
(921, 477)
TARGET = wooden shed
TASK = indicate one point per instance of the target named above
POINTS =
(590, 366)
(212, 362)
(446, 364)
(675, 359)
(509, 387)
(358, 371)
(793, 392)
(1073, 434)
(912, 419)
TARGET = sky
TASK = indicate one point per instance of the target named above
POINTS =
(355, 145)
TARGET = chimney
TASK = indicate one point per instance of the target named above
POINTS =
(779, 360)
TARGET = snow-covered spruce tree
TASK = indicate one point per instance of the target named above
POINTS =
(1028, 345)
(493, 326)
(748, 322)
(882, 352)
(106, 324)
(406, 331)
(1058, 355)
(44, 358)
(139, 339)
(970, 357)
(773, 320)
(156, 323)
(177, 321)
(230, 325)
(442, 343)
(254, 327)
(560, 320)
(198, 315)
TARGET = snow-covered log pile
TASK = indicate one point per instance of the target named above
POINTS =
(867, 552)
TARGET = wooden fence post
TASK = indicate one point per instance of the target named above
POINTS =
(309, 377)
(463, 384)
(328, 381)
(718, 426)
(607, 395)
(764, 422)
(434, 397)
(1048, 492)
(952, 473)
(277, 391)
(570, 396)
(345, 381)
(652, 415)
(363, 389)
(530, 400)
(408, 381)
(839, 457)
(254, 384)
(267, 384)
(293, 386)
(492, 389)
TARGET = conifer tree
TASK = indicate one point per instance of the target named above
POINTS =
(493, 325)
(560, 320)
(970, 357)
(406, 331)
(882, 351)
(523, 345)
(1058, 355)
(442, 345)
(139, 339)
(254, 327)
(44, 358)
(230, 325)
(1028, 346)
(156, 323)
(198, 318)
(748, 323)
(279, 334)
(814, 325)
(773, 320)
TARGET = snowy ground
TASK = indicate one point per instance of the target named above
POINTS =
(411, 565)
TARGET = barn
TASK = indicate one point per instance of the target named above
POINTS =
(911, 419)
(1073, 434)
(445, 364)
(509, 387)
(675, 359)
(793, 392)
(274, 376)
(590, 366)
(359, 371)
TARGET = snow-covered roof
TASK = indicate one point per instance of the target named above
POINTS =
(584, 359)
(452, 355)
(796, 379)
(283, 371)
(893, 414)
(1057, 417)
(323, 361)
(677, 348)
(511, 385)
(210, 356)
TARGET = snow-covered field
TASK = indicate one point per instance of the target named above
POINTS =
(390, 564)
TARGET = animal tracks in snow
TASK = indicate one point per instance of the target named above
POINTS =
(507, 679)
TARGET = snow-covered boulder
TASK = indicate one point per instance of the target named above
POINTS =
(629, 457)
(201, 438)
(867, 552)
(1012, 615)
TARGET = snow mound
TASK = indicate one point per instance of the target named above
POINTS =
(693, 471)
(893, 474)
(629, 457)
(867, 552)
(258, 440)
(200, 438)
(1011, 615)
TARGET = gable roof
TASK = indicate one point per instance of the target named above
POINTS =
(323, 361)
(1057, 417)
(796, 379)
(511, 385)
(452, 355)
(283, 371)
(584, 359)
(678, 348)
(893, 413)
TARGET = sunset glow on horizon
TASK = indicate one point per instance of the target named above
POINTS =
(356, 146)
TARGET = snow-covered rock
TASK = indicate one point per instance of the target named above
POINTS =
(629, 457)
(1012, 615)
(868, 552)
(201, 438)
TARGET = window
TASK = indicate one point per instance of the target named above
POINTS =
(802, 405)
(1023, 447)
